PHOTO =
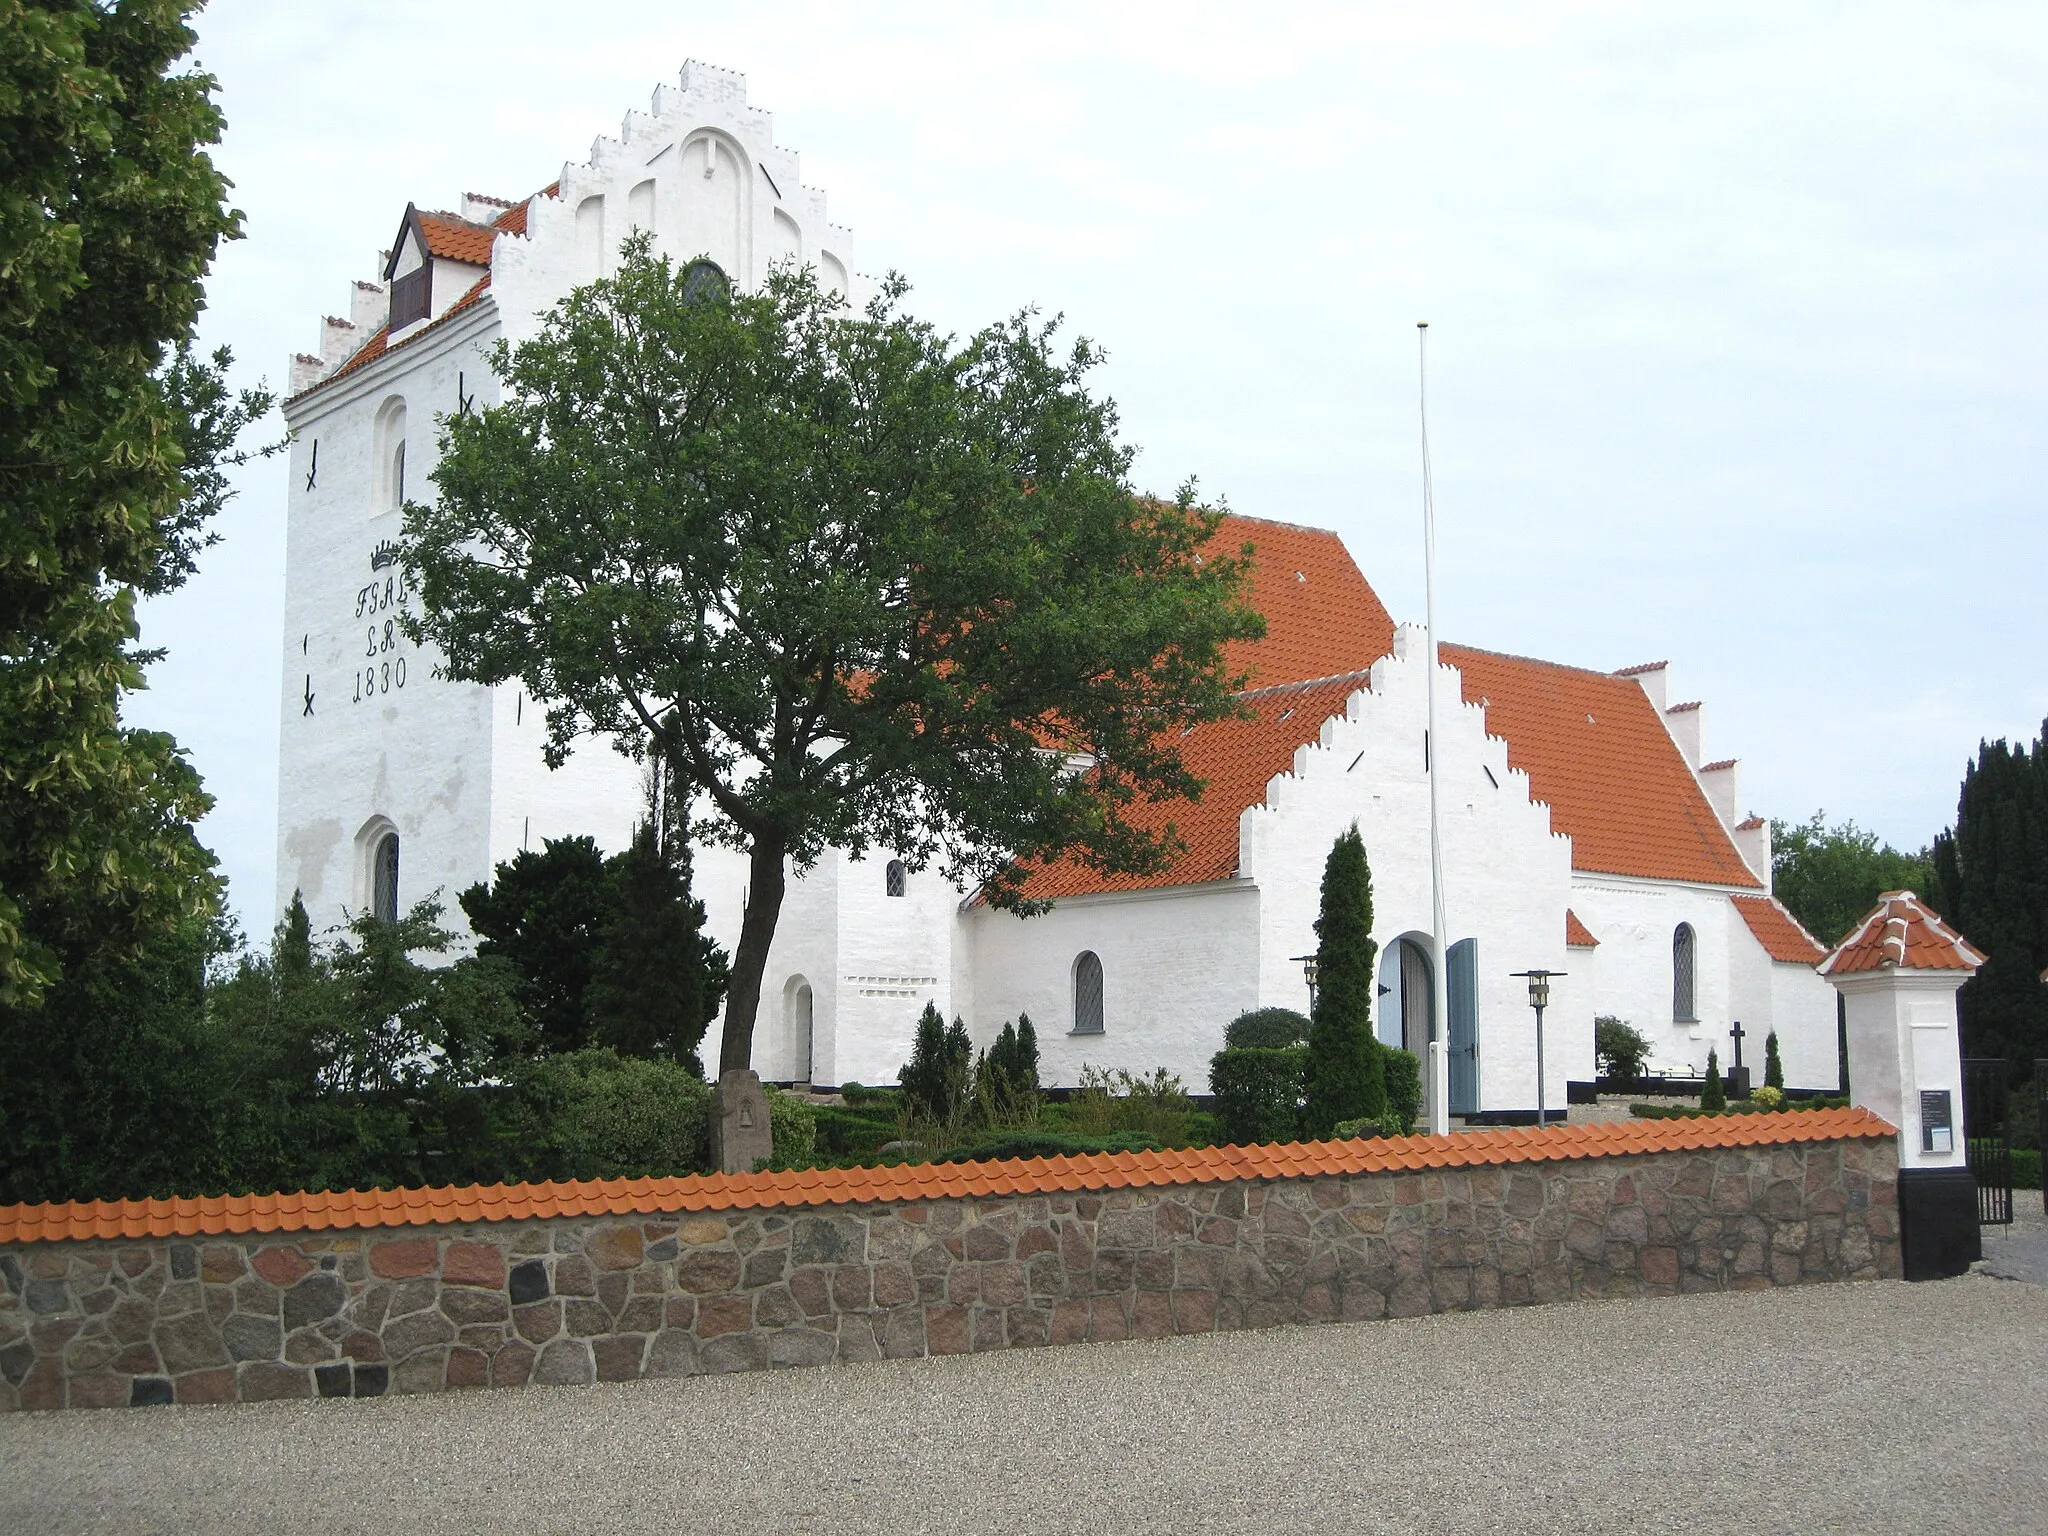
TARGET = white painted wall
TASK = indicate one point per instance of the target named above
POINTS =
(1792, 999)
(1903, 1040)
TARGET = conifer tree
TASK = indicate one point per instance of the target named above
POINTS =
(657, 978)
(1774, 1066)
(1991, 883)
(1713, 1096)
(1346, 1072)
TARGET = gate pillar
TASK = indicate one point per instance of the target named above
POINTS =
(1898, 974)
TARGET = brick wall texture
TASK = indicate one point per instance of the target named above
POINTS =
(97, 1324)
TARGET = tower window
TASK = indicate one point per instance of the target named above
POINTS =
(1088, 993)
(384, 878)
(894, 878)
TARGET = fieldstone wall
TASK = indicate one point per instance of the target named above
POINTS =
(362, 1313)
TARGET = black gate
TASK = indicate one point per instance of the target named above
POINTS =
(2041, 1125)
(1987, 1138)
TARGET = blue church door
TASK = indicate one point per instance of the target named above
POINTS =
(1461, 1003)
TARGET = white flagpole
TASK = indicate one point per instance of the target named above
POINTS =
(1439, 1006)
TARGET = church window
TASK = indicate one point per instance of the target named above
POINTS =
(384, 878)
(1684, 947)
(894, 877)
(1088, 994)
(388, 455)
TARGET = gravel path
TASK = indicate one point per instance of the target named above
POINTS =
(1866, 1408)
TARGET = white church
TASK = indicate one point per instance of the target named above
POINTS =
(1584, 830)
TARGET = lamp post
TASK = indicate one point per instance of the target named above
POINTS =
(1539, 999)
(1308, 969)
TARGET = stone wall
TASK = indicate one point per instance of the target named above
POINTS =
(361, 1313)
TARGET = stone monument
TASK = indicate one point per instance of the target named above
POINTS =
(740, 1134)
(1898, 974)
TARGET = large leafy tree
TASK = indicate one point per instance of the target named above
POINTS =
(1346, 1065)
(1991, 881)
(1829, 877)
(856, 583)
(112, 437)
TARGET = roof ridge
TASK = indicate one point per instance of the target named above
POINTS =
(1305, 683)
(1534, 661)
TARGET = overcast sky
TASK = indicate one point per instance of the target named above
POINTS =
(1736, 311)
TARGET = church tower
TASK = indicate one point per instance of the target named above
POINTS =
(394, 782)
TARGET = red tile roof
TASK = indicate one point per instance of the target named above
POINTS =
(1902, 932)
(1325, 627)
(454, 238)
(1780, 933)
(1596, 752)
(1235, 759)
(374, 1208)
(457, 240)
(1576, 934)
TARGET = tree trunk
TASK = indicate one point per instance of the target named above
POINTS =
(757, 932)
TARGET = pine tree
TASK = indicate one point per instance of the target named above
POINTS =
(937, 1078)
(1346, 1073)
(1712, 1095)
(1774, 1067)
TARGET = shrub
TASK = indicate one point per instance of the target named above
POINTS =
(1619, 1049)
(854, 1093)
(1273, 1029)
(1006, 1077)
(1014, 1144)
(606, 1116)
(845, 1132)
(1362, 1130)
(793, 1129)
(1118, 1102)
(1404, 1091)
(1713, 1096)
(939, 1075)
(2026, 1168)
(1259, 1092)
(1767, 1097)
(1774, 1068)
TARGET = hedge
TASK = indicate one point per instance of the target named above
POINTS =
(1259, 1092)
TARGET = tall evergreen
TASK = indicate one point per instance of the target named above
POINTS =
(1347, 1071)
(1991, 882)
(545, 914)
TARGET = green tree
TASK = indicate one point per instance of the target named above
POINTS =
(1829, 877)
(1346, 1075)
(1991, 882)
(657, 978)
(1774, 1064)
(1266, 1029)
(854, 583)
(1713, 1095)
(546, 914)
(1619, 1048)
(112, 435)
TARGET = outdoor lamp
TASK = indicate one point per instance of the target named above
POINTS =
(1308, 970)
(1539, 999)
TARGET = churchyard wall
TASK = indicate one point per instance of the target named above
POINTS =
(364, 1293)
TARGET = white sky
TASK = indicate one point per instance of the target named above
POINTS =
(1737, 311)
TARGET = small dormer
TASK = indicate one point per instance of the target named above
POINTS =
(435, 260)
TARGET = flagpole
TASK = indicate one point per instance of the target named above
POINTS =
(1439, 1009)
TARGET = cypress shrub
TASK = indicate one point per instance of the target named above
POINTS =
(939, 1074)
(1712, 1095)
(1404, 1090)
(1259, 1091)
(1774, 1069)
(1346, 1074)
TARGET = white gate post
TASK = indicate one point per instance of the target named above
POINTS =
(1898, 974)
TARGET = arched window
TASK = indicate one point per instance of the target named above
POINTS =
(384, 878)
(388, 461)
(894, 878)
(1088, 994)
(1683, 948)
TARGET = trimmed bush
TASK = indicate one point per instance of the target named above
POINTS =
(1619, 1048)
(1404, 1091)
(1016, 1144)
(1346, 1074)
(1271, 1029)
(2026, 1168)
(1713, 1095)
(793, 1129)
(607, 1116)
(1259, 1092)
(1774, 1068)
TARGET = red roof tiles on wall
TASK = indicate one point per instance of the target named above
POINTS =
(375, 1208)
(1596, 752)
(1778, 930)
(1576, 934)
(1902, 932)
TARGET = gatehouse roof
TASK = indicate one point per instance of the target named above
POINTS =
(1902, 933)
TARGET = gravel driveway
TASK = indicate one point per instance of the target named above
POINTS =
(1867, 1408)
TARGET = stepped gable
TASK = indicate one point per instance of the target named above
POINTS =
(1780, 933)
(1325, 627)
(1597, 753)
(1902, 933)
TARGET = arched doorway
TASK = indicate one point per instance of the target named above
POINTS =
(1407, 982)
(799, 1021)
